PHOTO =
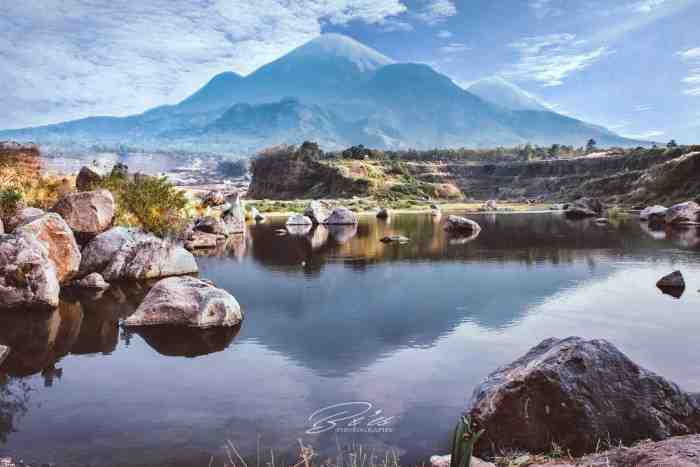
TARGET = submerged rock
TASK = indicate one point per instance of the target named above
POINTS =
(461, 225)
(341, 216)
(27, 275)
(186, 301)
(128, 254)
(672, 284)
(54, 234)
(88, 213)
(87, 179)
(654, 214)
(584, 207)
(683, 213)
(575, 392)
(318, 211)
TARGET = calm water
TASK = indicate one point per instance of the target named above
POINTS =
(334, 318)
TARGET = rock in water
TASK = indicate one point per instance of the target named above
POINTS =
(584, 207)
(87, 179)
(575, 392)
(22, 216)
(88, 213)
(298, 219)
(491, 205)
(234, 216)
(318, 211)
(395, 238)
(93, 281)
(653, 214)
(341, 216)
(128, 254)
(683, 213)
(672, 284)
(383, 213)
(186, 301)
(52, 232)
(4, 351)
(27, 275)
(256, 216)
(214, 198)
(461, 225)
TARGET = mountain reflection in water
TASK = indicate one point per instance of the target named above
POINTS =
(335, 315)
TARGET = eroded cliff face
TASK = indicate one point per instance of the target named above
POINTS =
(21, 157)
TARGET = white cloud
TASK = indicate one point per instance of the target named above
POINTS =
(65, 59)
(545, 8)
(444, 34)
(643, 108)
(549, 59)
(647, 6)
(692, 80)
(436, 11)
(453, 48)
(650, 134)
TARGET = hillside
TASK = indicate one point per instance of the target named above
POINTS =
(339, 92)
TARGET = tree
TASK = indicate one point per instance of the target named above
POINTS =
(672, 144)
(591, 145)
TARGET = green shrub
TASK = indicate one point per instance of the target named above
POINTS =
(10, 200)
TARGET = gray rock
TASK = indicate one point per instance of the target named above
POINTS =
(683, 213)
(654, 214)
(234, 216)
(93, 281)
(128, 254)
(602, 221)
(87, 179)
(54, 234)
(672, 284)
(395, 239)
(88, 213)
(4, 352)
(318, 211)
(298, 219)
(576, 392)
(27, 275)
(186, 301)
(584, 207)
(461, 225)
(341, 216)
(22, 216)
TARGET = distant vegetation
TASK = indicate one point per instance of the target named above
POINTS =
(233, 168)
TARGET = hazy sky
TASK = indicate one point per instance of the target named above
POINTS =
(631, 65)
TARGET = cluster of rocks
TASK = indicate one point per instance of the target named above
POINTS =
(74, 245)
(576, 394)
(681, 214)
(320, 213)
(212, 229)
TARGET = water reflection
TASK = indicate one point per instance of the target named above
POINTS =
(177, 341)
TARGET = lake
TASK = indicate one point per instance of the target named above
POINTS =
(404, 332)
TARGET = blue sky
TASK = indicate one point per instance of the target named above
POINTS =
(631, 65)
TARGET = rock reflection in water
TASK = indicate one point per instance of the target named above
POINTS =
(177, 341)
(235, 246)
(655, 231)
(342, 233)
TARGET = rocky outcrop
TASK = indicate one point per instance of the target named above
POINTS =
(289, 174)
(88, 213)
(22, 216)
(318, 211)
(683, 213)
(27, 276)
(186, 301)
(461, 225)
(341, 216)
(584, 207)
(54, 234)
(576, 392)
(679, 451)
(128, 254)
(87, 179)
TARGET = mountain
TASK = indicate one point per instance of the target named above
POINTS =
(500, 92)
(338, 92)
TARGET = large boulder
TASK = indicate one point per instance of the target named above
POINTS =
(461, 225)
(54, 234)
(88, 213)
(318, 211)
(27, 276)
(341, 216)
(186, 301)
(128, 254)
(298, 219)
(87, 179)
(584, 207)
(683, 213)
(576, 392)
(654, 214)
(22, 216)
(234, 216)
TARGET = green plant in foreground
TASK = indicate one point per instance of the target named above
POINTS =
(463, 442)
(10, 200)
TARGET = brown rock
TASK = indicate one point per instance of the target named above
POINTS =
(88, 213)
(672, 284)
(87, 179)
(186, 301)
(54, 234)
(574, 393)
(460, 225)
(584, 207)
